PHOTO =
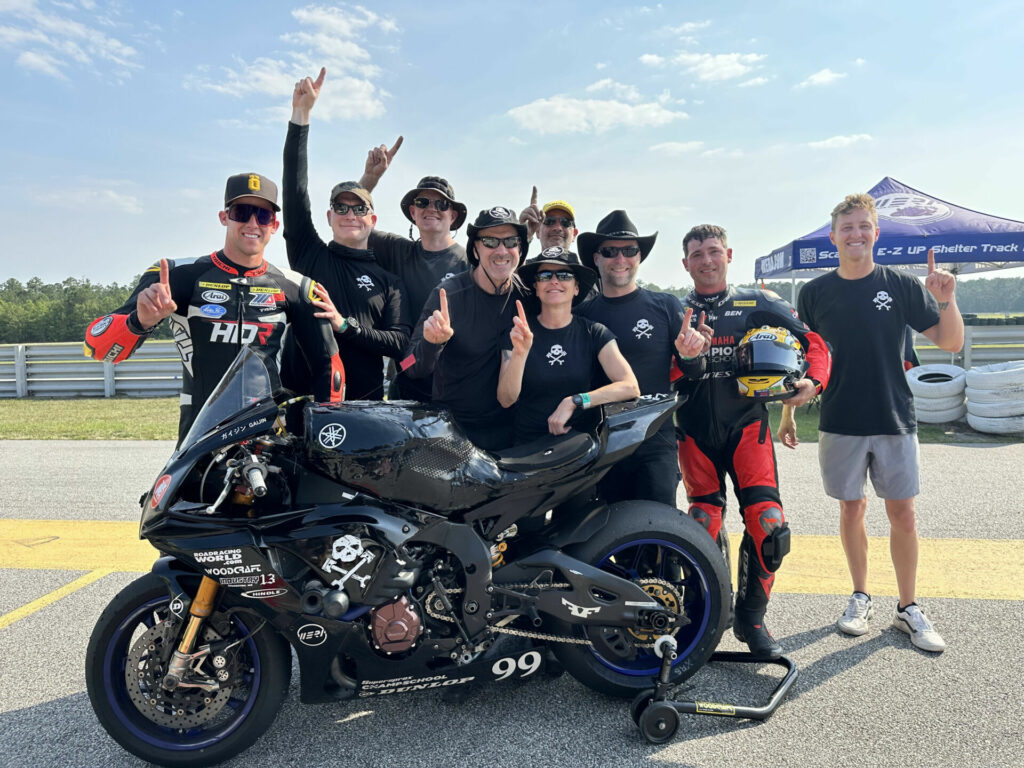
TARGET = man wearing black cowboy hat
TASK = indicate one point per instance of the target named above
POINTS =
(365, 304)
(553, 362)
(422, 264)
(651, 330)
(463, 323)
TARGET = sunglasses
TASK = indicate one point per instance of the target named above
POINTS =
(611, 251)
(360, 209)
(242, 212)
(512, 241)
(440, 204)
(546, 275)
(564, 221)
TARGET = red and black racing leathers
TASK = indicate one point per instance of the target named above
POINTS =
(720, 432)
(205, 326)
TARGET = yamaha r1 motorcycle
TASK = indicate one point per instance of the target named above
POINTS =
(390, 554)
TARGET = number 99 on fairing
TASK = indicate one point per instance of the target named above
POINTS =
(529, 663)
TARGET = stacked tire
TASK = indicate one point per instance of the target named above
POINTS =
(938, 392)
(995, 398)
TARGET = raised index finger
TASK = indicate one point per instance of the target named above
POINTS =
(165, 272)
(444, 305)
(686, 318)
(533, 197)
(394, 150)
(521, 311)
(931, 260)
(320, 78)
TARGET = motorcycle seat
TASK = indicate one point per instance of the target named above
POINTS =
(548, 452)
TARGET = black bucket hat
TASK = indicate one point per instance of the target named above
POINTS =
(442, 187)
(496, 217)
(557, 256)
(615, 226)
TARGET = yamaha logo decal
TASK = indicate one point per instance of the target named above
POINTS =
(332, 435)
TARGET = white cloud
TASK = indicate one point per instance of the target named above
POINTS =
(838, 142)
(689, 27)
(652, 60)
(330, 37)
(51, 43)
(601, 65)
(617, 90)
(713, 67)
(754, 81)
(105, 199)
(562, 114)
(126, 203)
(860, 62)
(822, 77)
(676, 148)
(665, 98)
(722, 152)
(516, 141)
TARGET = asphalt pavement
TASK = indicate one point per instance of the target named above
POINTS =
(873, 700)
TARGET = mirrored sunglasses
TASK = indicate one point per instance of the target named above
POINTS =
(242, 212)
(563, 275)
(360, 209)
(512, 241)
(611, 251)
(440, 204)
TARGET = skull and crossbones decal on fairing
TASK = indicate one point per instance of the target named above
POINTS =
(364, 281)
(348, 550)
(643, 328)
(883, 301)
(556, 355)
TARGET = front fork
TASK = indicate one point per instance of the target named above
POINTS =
(201, 608)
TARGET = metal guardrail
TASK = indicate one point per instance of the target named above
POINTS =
(61, 370)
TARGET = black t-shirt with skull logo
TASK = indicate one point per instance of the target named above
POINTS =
(561, 362)
(359, 287)
(864, 321)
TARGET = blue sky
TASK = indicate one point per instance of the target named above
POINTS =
(122, 120)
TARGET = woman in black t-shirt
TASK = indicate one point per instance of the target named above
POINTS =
(551, 361)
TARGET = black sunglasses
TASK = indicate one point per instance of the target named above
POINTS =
(550, 221)
(242, 212)
(611, 251)
(359, 209)
(563, 275)
(512, 241)
(440, 204)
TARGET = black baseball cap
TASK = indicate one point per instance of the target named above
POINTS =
(250, 185)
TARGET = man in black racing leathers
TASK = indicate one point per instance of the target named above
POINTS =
(204, 297)
(719, 431)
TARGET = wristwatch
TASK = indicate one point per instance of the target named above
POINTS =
(582, 400)
(349, 325)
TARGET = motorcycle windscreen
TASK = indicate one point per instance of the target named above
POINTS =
(246, 381)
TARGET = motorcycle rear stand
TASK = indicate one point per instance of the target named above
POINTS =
(657, 716)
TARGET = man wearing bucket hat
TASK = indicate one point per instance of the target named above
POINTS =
(365, 303)
(206, 300)
(651, 330)
(722, 431)
(421, 264)
(458, 336)
(552, 361)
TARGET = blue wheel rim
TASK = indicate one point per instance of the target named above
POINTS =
(114, 661)
(666, 560)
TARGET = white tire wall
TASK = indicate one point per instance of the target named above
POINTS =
(938, 403)
(936, 380)
(1006, 394)
(997, 376)
(998, 410)
(942, 417)
(1009, 425)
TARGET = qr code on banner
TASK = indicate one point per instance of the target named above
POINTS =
(808, 255)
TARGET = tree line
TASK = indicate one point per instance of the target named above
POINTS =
(39, 312)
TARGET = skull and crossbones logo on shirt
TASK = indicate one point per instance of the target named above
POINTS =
(556, 355)
(882, 301)
(643, 328)
(364, 281)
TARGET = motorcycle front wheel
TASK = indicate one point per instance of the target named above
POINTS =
(675, 561)
(187, 726)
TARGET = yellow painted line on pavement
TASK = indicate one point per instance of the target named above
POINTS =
(29, 608)
(74, 545)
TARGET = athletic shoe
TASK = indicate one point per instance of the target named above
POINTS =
(855, 620)
(922, 634)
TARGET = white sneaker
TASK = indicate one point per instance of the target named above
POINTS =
(855, 620)
(922, 634)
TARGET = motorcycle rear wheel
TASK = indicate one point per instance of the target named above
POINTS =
(646, 541)
(263, 659)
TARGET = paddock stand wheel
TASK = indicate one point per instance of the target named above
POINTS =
(650, 709)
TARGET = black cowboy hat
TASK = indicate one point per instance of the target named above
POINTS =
(615, 226)
(442, 187)
(496, 217)
(556, 256)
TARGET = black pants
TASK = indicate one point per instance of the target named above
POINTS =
(651, 473)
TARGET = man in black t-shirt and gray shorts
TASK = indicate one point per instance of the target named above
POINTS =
(867, 414)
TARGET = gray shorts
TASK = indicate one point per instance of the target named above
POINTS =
(894, 462)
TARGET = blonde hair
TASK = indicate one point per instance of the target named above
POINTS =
(853, 203)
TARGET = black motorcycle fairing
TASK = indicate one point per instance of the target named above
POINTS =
(630, 424)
